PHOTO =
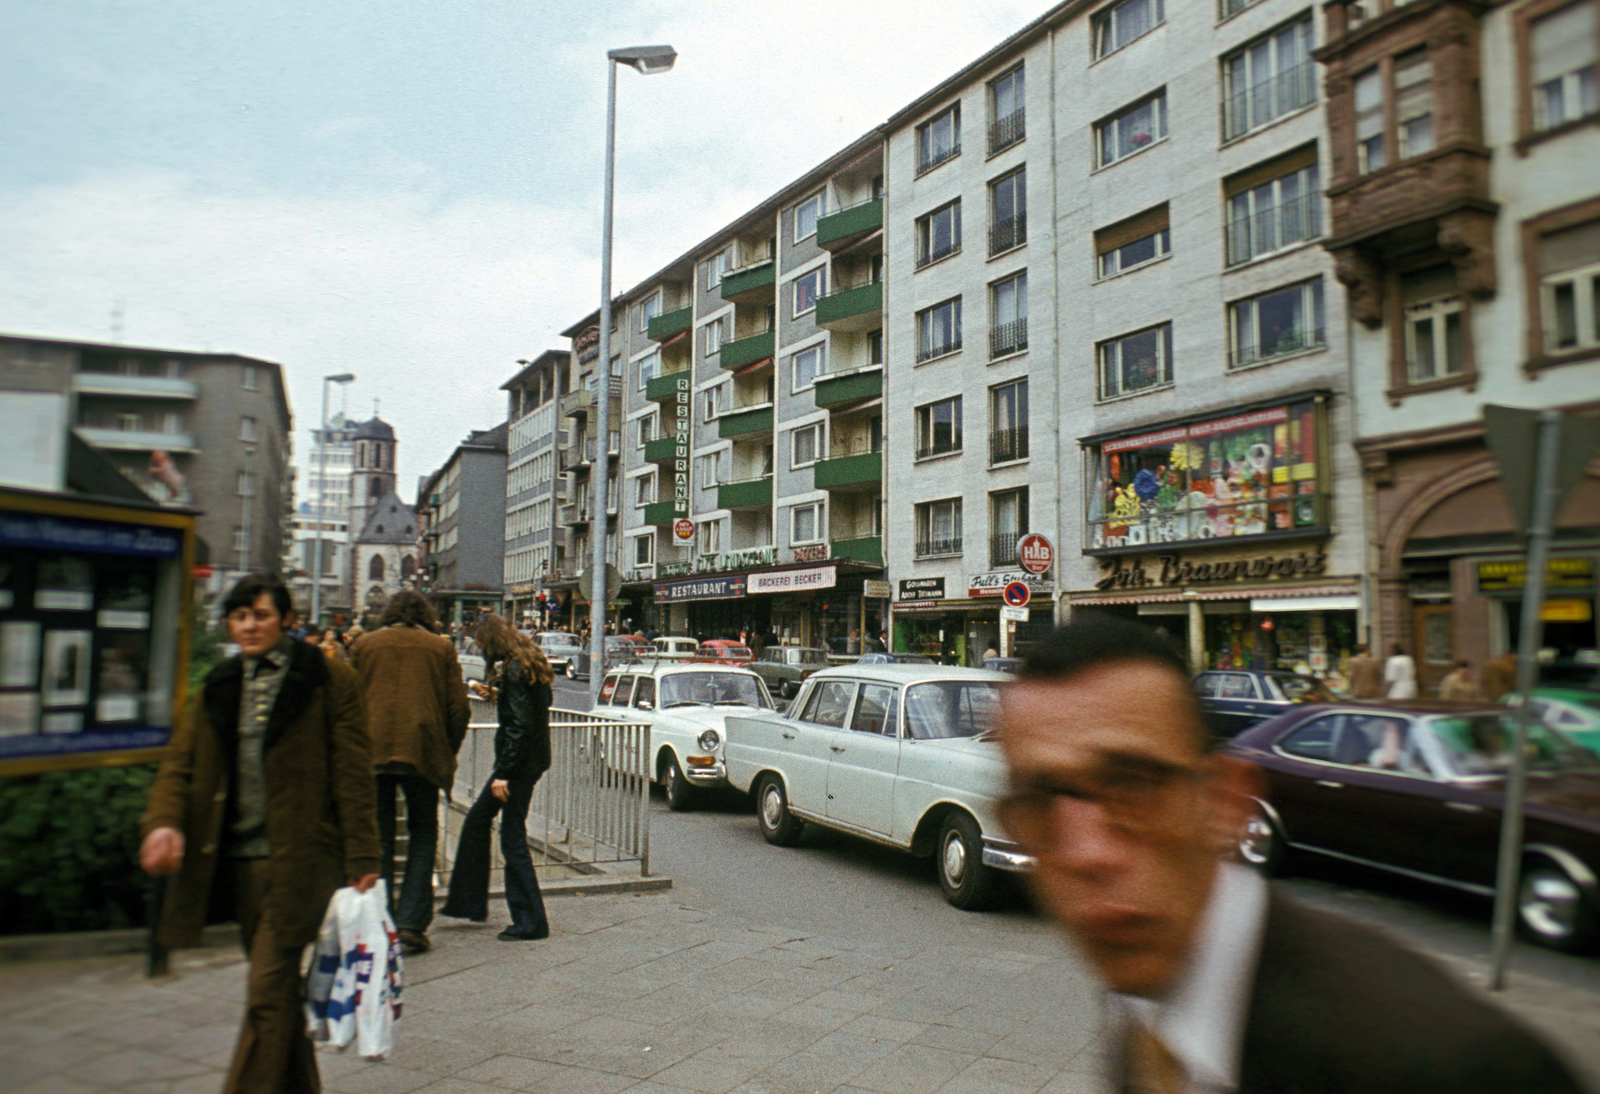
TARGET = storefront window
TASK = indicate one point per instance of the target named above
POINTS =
(1245, 475)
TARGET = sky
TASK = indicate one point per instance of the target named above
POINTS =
(410, 190)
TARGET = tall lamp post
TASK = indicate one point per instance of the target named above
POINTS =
(647, 60)
(322, 496)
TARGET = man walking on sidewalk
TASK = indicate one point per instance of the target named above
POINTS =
(418, 712)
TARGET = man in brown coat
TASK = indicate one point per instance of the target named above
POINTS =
(264, 807)
(1500, 676)
(418, 711)
(1366, 675)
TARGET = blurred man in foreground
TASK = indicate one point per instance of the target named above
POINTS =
(1222, 984)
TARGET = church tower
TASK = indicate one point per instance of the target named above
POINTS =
(372, 470)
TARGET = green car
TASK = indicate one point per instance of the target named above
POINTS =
(784, 667)
(1574, 711)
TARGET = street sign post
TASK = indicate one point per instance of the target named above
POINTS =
(1008, 614)
(1035, 554)
(1541, 454)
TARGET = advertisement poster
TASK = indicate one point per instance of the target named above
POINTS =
(66, 668)
(19, 654)
(66, 584)
(19, 714)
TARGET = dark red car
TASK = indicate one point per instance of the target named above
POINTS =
(722, 651)
(1416, 788)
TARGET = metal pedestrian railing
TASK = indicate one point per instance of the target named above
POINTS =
(591, 808)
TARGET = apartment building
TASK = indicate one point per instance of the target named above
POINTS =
(323, 511)
(461, 522)
(535, 488)
(1465, 222)
(580, 458)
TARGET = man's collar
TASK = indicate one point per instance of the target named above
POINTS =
(278, 655)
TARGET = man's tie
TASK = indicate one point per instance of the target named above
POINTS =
(1152, 1066)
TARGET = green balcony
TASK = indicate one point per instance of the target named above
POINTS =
(742, 351)
(852, 387)
(836, 231)
(743, 423)
(662, 389)
(665, 450)
(660, 513)
(857, 309)
(750, 494)
(869, 549)
(750, 285)
(861, 472)
(662, 327)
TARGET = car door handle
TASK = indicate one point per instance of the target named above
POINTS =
(1330, 784)
(788, 736)
(1465, 807)
(837, 748)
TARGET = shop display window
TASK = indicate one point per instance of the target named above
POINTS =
(1249, 474)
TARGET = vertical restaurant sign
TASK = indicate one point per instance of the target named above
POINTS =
(681, 407)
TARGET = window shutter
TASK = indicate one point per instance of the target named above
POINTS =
(1135, 227)
(1570, 248)
(1430, 284)
(1563, 41)
(1286, 164)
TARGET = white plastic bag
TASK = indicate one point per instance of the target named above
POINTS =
(353, 991)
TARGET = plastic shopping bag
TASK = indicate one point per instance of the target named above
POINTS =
(353, 991)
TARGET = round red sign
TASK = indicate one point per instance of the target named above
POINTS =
(683, 528)
(1034, 553)
(1017, 594)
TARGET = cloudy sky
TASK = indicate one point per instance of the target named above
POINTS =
(409, 190)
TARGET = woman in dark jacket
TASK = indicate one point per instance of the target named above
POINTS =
(522, 674)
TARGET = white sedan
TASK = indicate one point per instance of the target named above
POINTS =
(899, 754)
(685, 705)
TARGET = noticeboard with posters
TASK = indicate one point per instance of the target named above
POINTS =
(92, 641)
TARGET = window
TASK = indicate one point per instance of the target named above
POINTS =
(710, 537)
(644, 491)
(875, 347)
(1133, 130)
(375, 568)
(939, 234)
(807, 287)
(247, 429)
(1122, 23)
(647, 429)
(244, 484)
(716, 398)
(711, 469)
(805, 523)
(805, 445)
(1267, 79)
(1136, 362)
(1569, 287)
(1008, 422)
(1431, 304)
(939, 528)
(716, 266)
(1008, 212)
(1562, 65)
(644, 690)
(129, 423)
(877, 711)
(1006, 111)
(1269, 214)
(248, 378)
(1132, 242)
(806, 214)
(1234, 7)
(1368, 92)
(714, 334)
(1008, 315)
(939, 330)
(939, 139)
(1008, 523)
(830, 703)
(644, 550)
(1413, 102)
(1277, 323)
(939, 428)
(648, 311)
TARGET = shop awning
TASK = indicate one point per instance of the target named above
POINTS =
(1279, 596)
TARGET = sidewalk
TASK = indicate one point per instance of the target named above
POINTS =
(635, 992)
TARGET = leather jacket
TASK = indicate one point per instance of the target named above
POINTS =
(522, 741)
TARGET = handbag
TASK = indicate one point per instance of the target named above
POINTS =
(353, 989)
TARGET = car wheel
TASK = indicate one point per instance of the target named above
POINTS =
(778, 825)
(1553, 910)
(787, 690)
(680, 795)
(1262, 843)
(572, 671)
(966, 881)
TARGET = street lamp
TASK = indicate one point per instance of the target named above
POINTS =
(322, 496)
(646, 60)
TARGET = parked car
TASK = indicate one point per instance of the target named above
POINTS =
(560, 647)
(1417, 788)
(672, 648)
(685, 706)
(900, 754)
(722, 651)
(895, 659)
(1574, 711)
(1237, 699)
(784, 668)
(470, 658)
(620, 650)
(1011, 665)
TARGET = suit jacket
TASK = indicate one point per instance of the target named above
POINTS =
(321, 797)
(417, 708)
(1338, 1007)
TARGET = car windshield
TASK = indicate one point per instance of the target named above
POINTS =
(951, 708)
(558, 640)
(811, 657)
(1481, 745)
(705, 688)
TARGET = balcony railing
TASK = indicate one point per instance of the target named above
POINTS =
(1003, 548)
(844, 226)
(1274, 228)
(929, 257)
(1257, 104)
(1008, 233)
(930, 350)
(1009, 337)
(938, 156)
(1294, 341)
(1006, 445)
(928, 548)
(1006, 131)
(924, 451)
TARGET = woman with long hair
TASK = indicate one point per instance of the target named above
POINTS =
(522, 675)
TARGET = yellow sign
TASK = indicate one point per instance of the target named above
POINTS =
(1567, 611)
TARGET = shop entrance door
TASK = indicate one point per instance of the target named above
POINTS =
(1432, 647)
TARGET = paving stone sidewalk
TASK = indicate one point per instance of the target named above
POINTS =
(633, 992)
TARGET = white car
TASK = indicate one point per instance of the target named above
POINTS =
(672, 648)
(470, 658)
(559, 647)
(685, 706)
(899, 754)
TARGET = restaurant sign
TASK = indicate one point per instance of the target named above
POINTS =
(1561, 575)
(706, 588)
(1176, 571)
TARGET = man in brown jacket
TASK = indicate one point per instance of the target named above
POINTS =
(263, 807)
(1500, 676)
(417, 707)
(1366, 675)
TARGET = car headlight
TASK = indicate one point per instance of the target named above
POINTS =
(709, 740)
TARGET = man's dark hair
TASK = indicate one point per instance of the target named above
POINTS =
(249, 590)
(1094, 639)
(411, 609)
